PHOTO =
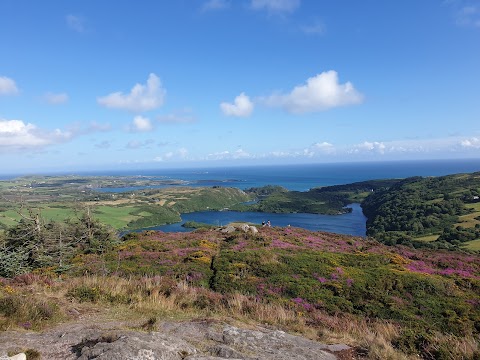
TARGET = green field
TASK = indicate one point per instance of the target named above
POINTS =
(48, 213)
(473, 245)
(118, 217)
(427, 238)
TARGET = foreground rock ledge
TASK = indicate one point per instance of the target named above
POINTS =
(194, 340)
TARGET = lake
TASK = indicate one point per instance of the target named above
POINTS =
(349, 224)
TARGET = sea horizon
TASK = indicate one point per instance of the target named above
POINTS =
(298, 177)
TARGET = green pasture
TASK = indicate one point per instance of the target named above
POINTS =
(469, 221)
(473, 245)
(47, 212)
(118, 216)
(428, 238)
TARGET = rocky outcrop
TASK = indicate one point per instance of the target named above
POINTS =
(197, 340)
(244, 227)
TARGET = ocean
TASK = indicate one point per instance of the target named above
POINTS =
(302, 177)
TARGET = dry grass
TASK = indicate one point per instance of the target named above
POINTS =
(146, 298)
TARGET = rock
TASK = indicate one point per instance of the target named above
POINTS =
(253, 229)
(135, 346)
(229, 229)
(188, 340)
(225, 352)
(20, 356)
(245, 227)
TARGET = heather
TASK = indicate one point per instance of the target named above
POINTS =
(321, 281)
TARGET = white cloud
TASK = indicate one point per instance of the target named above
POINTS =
(473, 143)
(75, 23)
(7, 86)
(141, 124)
(55, 99)
(215, 5)
(141, 98)
(15, 134)
(230, 155)
(241, 107)
(375, 146)
(319, 148)
(468, 16)
(276, 5)
(180, 154)
(320, 93)
(183, 153)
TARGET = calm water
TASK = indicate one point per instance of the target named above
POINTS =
(351, 224)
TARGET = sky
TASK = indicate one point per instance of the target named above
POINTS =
(92, 85)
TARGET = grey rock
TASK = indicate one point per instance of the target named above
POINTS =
(189, 340)
(226, 352)
(228, 229)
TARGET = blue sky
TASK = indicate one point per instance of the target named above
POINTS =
(159, 84)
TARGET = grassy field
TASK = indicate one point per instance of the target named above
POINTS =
(473, 245)
(469, 219)
(52, 212)
(427, 238)
(117, 216)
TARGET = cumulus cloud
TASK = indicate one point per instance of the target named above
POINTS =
(7, 86)
(319, 148)
(472, 143)
(141, 124)
(241, 107)
(275, 5)
(321, 92)
(180, 154)
(141, 98)
(16, 134)
(55, 99)
(76, 23)
(215, 5)
(375, 146)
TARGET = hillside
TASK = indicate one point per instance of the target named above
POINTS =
(439, 212)
(384, 301)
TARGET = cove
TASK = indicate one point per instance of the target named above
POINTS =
(353, 223)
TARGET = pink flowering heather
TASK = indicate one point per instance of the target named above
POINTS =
(279, 244)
